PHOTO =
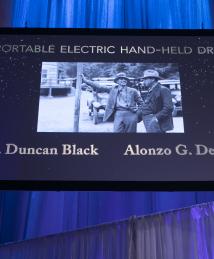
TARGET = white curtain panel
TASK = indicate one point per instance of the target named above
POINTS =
(180, 234)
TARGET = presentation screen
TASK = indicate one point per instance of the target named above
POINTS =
(106, 108)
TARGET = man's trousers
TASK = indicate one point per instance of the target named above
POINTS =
(125, 122)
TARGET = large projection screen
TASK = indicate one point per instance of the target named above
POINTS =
(106, 108)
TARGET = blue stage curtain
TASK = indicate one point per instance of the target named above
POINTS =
(6, 12)
(191, 14)
(26, 215)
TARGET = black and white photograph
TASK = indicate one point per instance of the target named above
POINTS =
(110, 98)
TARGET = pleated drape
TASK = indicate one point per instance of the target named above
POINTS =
(180, 14)
(26, 215)
(180, 234)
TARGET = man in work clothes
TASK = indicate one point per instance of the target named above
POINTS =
(157, 107)
(123, 103)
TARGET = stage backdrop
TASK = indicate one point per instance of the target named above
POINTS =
(30, 214)
(179, 14)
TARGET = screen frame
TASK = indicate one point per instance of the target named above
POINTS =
(106, 185)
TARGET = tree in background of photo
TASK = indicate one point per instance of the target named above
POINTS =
(135, 70)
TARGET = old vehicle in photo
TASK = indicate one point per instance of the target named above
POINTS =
(98, 100)
(175, 88)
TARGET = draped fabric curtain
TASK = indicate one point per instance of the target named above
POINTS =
(26, 215)
(6, 10)
(185, 233)
(180, 14)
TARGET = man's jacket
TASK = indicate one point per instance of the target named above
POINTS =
(159, 101)
(133, 98)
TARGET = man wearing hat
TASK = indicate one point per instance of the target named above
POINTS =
(123, 103)
(157, 107)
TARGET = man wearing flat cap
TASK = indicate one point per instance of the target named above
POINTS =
(157, 107)
(123, 103)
